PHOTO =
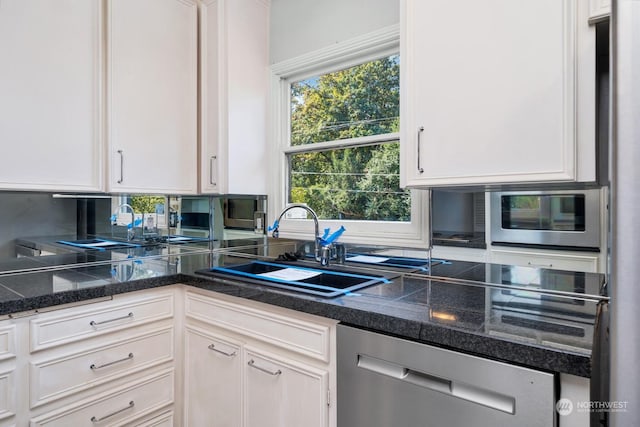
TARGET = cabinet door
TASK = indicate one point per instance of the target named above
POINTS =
(283, 393)
(50, 84)
(488, 92)
(599, 10)
(212, 374)
(152, 95)
(234, 65)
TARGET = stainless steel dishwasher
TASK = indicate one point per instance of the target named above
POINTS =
(390, 382)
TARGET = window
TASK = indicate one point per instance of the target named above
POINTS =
(361, 181)
(338, 145)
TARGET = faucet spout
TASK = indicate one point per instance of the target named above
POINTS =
(131, 233)
(317, 251)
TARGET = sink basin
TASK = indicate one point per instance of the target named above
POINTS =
(98, 244)
(314, 281)
(392, 261)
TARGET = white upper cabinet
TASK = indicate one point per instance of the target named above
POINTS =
(496, 92)
(151, 99)
(599, 10)
(234, 61)
(50, 92)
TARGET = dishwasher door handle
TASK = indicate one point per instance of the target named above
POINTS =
(471, 393)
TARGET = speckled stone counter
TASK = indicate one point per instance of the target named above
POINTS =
(454, 311)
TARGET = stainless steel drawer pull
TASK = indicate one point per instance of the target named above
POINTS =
(94, 367)
(471, 393)
(121, 180)
(94, 323)
(266, 371)
(213, 347)
(100, 419)
(211, 160)
(420, 130)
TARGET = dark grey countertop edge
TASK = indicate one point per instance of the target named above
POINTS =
(523, 354)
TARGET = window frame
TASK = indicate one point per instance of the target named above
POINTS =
(362, 49)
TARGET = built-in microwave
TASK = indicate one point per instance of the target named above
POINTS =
(567, 219)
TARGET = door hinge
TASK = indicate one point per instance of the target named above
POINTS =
(329, 398)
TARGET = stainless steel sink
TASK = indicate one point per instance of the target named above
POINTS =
(315, 281)
(98, 244)
(373, 260)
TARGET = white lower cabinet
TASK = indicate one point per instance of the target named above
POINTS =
(248, 364)
(212, 373)
(280, 392)
(119, 407)
(108, 362)
(7, 372)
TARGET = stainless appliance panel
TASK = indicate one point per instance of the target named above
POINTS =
(385, 381)
(557, 228)
(239, 212)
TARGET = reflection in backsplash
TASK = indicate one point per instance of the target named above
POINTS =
(32, 217)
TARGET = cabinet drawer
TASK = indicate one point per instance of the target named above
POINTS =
(587, 263)
(293, 334)
(54, 329)
(7, 342)
(55, 378)
(7, 393)
(163, 420)
(118, 408)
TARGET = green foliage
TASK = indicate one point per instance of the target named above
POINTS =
(351, 183)
(145, 204)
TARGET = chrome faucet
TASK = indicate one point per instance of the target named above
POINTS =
(131, 232)
(322, 254)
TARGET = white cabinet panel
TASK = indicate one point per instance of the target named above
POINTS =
(50, 94)
(152, 95)
(552, 260)
(599, 10)
(59, 328)
(116, 408)
(7, 342)
(309, 339)
(53, 378)
(234, 61)
(283, 393)
(213, 379)
(7, 392)
(490, 92)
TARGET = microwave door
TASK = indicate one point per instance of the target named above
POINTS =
(569, 219)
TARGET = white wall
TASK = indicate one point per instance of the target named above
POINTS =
(301, 26)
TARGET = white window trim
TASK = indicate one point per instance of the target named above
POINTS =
(368, 47)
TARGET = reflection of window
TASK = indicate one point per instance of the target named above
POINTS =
(336, 143)
(358, 107)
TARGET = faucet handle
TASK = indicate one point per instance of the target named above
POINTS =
(325, 255)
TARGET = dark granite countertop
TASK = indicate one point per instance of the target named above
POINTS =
(531, 317)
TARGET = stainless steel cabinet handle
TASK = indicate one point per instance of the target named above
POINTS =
(420, 130)
(266, 371)
(213, 347)
(94, 367)
(211, 160)
(99, 419)
(94, 323)
(121, 166)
